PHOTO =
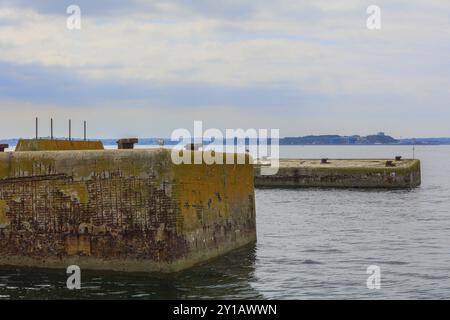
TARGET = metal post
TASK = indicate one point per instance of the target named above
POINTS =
(37, 130)
(84, 130)
(51, 128)
(70, 130)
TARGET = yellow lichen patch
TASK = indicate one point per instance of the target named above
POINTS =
(4, 221)
(76, 191)
(5, 160)
(203, 192)
(30, 164)
(21, 167)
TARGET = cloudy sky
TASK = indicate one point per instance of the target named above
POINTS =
(144, 68)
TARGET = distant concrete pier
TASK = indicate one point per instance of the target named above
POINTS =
(329, 173)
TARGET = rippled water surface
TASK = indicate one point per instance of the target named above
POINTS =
(311, 244)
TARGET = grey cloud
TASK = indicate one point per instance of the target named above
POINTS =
(230, 9)
(409, 54)
(98, 7)
(60, 86)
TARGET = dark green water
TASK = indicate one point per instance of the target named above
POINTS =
(226, 277)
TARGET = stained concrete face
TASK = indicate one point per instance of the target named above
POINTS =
(127, 210)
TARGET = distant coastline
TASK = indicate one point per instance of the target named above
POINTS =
(376, 139)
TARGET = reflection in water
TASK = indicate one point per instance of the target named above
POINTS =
(227, 277)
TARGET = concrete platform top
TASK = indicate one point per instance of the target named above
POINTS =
(344, 163)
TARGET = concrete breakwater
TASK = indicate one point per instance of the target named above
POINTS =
(124, 210)
(343, 174)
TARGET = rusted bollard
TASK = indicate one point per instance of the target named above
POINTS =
(127, 143)
(390, 163)
(193, 146)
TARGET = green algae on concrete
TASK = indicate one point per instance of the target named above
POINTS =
(340, 173)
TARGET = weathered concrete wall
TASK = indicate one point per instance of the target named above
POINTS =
(57, 145)
(342, 174)
(127, 210)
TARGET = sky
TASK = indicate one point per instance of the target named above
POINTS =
(145, 68)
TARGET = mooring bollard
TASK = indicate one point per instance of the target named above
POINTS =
(127, 143)
(390, 163)
(193, 146)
